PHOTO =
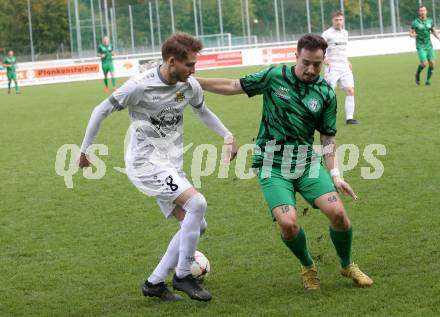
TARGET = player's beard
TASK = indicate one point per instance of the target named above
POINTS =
(308, 78)
(184, 76)
(180, 76)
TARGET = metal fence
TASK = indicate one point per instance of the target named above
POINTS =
(222, 24)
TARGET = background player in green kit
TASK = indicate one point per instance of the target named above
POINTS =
(105, 51)
(421, 29)
(9, 63)
(296, 102)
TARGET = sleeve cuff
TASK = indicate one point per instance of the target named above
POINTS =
(115, 103)
(243, 87)
(200, 104)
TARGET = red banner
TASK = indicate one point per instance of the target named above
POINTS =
(279, 54)
(219, 60)
(23, 74)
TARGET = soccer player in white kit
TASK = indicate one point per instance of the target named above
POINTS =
(338, 68)
(155, 100)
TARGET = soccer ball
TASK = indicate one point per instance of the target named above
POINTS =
(200, 268)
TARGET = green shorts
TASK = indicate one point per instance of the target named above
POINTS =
(12, 76)
(426, 54)
(108, 68)
(279, 190)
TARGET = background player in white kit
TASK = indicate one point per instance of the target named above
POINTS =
(156, 100)
(338, 69)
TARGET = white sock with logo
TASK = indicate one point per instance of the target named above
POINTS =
(171, 257)
(195, 208)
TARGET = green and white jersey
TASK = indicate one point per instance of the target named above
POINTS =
(10, 60)
(107, 50)
(292, 111)
(423, 31)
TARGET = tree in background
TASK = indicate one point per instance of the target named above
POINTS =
(49, 23)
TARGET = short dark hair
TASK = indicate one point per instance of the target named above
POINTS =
(179, 45)
(312, 42)
(337, 14)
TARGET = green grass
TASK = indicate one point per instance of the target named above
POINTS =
(85, 251)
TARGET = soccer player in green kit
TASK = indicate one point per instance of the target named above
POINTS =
(9, 63)
(421, 29)
(105, 51)
(296, 102)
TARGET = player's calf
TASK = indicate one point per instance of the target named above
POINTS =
(419, 70)
(203, 226)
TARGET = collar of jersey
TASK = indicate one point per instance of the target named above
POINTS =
(337, 29)
(161, 77)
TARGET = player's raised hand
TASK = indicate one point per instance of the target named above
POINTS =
(83, 161)
(344, 187)
(231, 148)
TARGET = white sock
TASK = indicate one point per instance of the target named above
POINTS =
(171, 256)
(168, 261)
(195, 209)
(349, 107)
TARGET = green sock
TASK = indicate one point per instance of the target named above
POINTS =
(419, 70)
(342, 242)
(113, 82)
(106, 82)
(17, 89)
(430, 71)
(9, 85)
(298, 246)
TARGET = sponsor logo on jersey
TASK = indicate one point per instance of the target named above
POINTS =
(167, 119)
(282, 93)
(180, 96)
(156, 98)
(313, 105)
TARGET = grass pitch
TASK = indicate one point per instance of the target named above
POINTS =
(85, 251)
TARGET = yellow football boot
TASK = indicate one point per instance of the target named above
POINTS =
(359, 278)
(310, 277)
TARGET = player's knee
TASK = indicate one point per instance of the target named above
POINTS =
(340, 219)
(196, 204)
(350, 91)
(203, 226)
(424, 64)
(289, 228)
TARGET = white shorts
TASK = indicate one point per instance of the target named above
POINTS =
(343, 76)
(164, 182)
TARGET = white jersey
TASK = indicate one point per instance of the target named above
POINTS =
(154, 155)
(337, 47)
(156, 114)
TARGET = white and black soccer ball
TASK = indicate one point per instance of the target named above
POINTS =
(200, 268)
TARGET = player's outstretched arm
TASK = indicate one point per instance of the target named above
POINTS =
(222, 86)
(214, 123)
(412, 33)
(328, 143)
(98, 115)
